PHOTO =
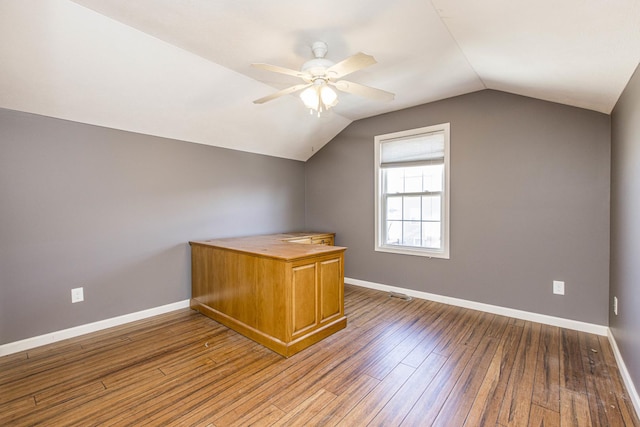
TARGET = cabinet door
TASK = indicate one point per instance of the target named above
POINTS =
(304, 298)
(331, 288)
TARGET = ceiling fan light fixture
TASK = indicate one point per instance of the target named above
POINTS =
(319, 97)
(309, 97)
(329, 96)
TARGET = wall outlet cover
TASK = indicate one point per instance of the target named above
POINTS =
(77, 295)
(558, 287)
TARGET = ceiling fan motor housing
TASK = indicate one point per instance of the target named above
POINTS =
(317, 66)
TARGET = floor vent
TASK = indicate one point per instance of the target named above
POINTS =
(399, 295)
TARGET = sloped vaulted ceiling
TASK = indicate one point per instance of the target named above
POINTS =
(181, 69)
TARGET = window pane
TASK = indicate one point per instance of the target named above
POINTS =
(394, 233)
(411, 208)
(413, 179)
(433, 177)
(431, 235)
(394, 180)
(431, 208)
(411, 233)
(394, 207)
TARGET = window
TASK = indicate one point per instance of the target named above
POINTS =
(412, 192)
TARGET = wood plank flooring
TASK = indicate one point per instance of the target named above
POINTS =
(398, 363)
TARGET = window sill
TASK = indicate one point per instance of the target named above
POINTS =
(406, 250)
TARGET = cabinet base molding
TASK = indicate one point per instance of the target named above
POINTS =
(272, 343)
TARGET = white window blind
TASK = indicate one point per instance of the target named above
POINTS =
(422, 148)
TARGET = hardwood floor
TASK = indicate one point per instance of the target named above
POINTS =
(415, 363)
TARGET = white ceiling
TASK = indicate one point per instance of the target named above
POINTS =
(181, 69)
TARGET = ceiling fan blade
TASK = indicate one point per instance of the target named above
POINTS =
(353, 63)
(277, 69)
(365, 91)
(282, 92)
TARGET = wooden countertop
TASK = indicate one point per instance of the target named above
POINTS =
(273, 246)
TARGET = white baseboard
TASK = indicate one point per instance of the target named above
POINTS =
(504, 311)
(52, 337)
(29, 343)
(624, 373)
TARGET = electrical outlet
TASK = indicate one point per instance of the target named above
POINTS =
(615, 305)
(77, 295)
(558, 287)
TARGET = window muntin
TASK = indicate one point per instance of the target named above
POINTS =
(412, 202)
(412, 192)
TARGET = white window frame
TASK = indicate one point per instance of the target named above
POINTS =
(380, 219)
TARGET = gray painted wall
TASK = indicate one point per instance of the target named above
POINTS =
(529, 204)
(625, 225)
(113, 211)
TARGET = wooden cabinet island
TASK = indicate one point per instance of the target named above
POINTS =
(284, 291)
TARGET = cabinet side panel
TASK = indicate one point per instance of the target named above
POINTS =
(225, 281)
(245, 298)
(270, 297)
(304, 298)
(199, 268)
(331, 288)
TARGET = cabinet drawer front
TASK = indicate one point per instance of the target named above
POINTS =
(304, 298)
(327, 240)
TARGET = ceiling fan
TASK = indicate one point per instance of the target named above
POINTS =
(319, 74)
